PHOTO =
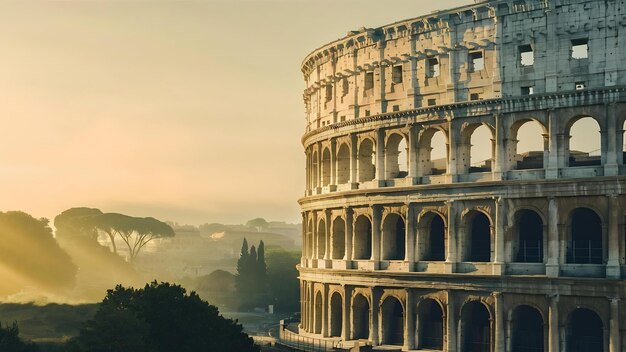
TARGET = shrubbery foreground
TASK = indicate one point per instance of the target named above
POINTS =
(160, 317)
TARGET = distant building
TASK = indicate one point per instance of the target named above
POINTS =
(521, 252)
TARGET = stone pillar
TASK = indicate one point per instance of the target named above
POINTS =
(409, 321)
(499, 322)
(410, 236)
(614, 328)
(318, 169)
(453, 154)
(376, 292)
(377, 213)
(613, 149)
(552, 263)
(345, 313)
(325, 311)
(304, 239)
(500, 233)
(552, 167)
(451, 251)
(349, 233)
(612, 267)
(413, 153)
(329, 216)
(333, 163)
(500, 149)
(451, 333)
(452, 64)
(353, 158)
(315, 239)
(553, 324)
(380, 157)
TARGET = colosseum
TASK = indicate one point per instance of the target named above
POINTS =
(413, 242)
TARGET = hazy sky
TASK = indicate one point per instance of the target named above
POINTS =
(184, 110)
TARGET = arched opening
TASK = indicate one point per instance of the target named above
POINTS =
(481, 150)
(310, 241)
(526, 145)
(393, 322)
(396, 157)
(339, 238)
(478, 248)
(317, 317)
(433, 236)
(527, 330)
(583, 148)
(326, 167)
(585, 332)
(335, 315)
(475, 327)
(367, 170)
(529, 245)
(585, 242)
(343, 164)
(430, 323)
(321, 239)
(432, 152)
(360, 318)
(314, 171)
(393, 237)
(362, 238)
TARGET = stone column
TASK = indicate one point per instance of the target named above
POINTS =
(315, 239)
(552, 167)
(552, 263)
(304, 239)
(410, 237)
(451, 254)
(451, 332)
(452, 152)
(553, 324)
(333, 163)
(345, 317)
(612, 267)
(325, 315)
(413, 151)
(380, 157)
(452, 64)
(613, 149)
(499, 322)
(614, 328)
(353, 158)
(377, 213)
(499, 257)
(349, 233)
(318, 169)
(329, 216)
(409, 321)
(376, 292)
(500, 151)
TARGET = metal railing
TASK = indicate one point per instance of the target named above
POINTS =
(584, 252)
(304, 343)
(530, 252)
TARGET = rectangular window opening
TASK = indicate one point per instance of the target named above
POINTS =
(329, 92)
(396, 74)
(396, 108)
(526, 55)
(369, 80)
(432, 102)
(433, 67)
(345, 87)
(475, 96)
(476, 61)
(342, 118)
(367, 113)
(530, 90)
(580, 85)
(580, 48)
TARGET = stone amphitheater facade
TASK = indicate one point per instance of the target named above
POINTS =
(524, 252)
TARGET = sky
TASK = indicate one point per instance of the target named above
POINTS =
(189, 111)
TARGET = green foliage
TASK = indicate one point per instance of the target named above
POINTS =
(10, 341)
(259, 224)
(30, 256)
(282, 278)
(251, 279)
(159, 318)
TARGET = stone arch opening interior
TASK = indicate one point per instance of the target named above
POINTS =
(585, 332)
(393, 322)
(318, 314)
(530, 238)
(393, 237)
(335, 315)
(584, 147)
(362, 238)
(325, 167)
(480, 238)
(585, 242)
(436, 249)
(367, 170)
(321, 239)
(343, 164)
(528, 146)
(339, 238)
(481, 150)
(527, 329)
(360, 318)
(430, 317)
(438, 153)
(476, 328)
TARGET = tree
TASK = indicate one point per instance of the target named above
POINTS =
(259, 224)
(10, 341)
(159, 318)
(282, 277)
(251, 276)
(30, 256)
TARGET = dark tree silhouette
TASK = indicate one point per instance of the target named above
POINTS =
(258, 224)
(10, 341)
(159, 318)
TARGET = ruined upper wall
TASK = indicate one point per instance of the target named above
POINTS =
(487, 50)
